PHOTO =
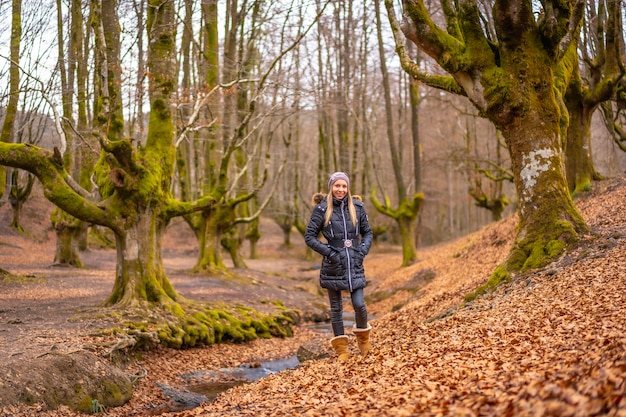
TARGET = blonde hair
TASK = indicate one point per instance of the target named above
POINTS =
(329, 208)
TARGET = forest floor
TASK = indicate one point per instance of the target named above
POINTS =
(550, 342)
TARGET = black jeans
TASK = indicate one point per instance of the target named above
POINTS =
(336, 310)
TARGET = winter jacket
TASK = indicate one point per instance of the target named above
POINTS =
(346, 244)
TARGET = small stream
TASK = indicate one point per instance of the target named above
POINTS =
(203, 386)
(241, 375)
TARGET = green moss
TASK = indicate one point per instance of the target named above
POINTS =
(84, 404)
(499, 276)
(176, 309)
(201, 317)
(115, 393)
(191, 324)
(101, 176)
(22, 279)
(191, 334)
(262, 328)
(542, 254)
(583, 185)
(153, 291)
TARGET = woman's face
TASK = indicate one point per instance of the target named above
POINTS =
(339, 189)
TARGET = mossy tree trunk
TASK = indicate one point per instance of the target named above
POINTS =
(210, 258)
(140, 275)
(231, 240)
(84, 156)
(67, 229)
(602, 53)
(511, 82)
(18, 194)
(579, 165)
(253, 234)
(408, 208)
(405, 216)
(217, 223)
(143, 185)
(549, 221)
(10, 112)
(286, 223)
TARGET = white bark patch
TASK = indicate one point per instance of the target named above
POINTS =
(131, 251)
(534, 164)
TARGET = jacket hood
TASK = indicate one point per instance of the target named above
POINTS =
(319, 197)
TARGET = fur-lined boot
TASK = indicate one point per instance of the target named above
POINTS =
(363, 339)
(340, 344)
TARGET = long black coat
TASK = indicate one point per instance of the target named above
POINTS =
(342, 265)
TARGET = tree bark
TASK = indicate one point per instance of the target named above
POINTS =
(405, 214)
(512, 84)
(66, 227)
(210, 258)
(140, 275)
(579, 165)
(601, 52)
(10, 113)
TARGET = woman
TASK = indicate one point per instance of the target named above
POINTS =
(342, 221)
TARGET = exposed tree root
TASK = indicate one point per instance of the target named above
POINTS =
(187, 324)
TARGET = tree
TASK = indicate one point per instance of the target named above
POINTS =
(137, 203)
(588, 83)
(8, 126)
(215, 164)
(232, 158)
(66, 227)
(507, 72)
(486, 177)
(614, 117)
(405, 214)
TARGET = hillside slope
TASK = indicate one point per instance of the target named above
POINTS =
(552, 342)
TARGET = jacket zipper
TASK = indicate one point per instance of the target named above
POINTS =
(345, 237)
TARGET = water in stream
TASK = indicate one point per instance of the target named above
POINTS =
(204, 386)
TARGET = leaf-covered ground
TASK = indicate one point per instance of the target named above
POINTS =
(553, 342)
(550, 343)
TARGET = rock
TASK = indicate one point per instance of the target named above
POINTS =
(80, 380)
(315, 349)
(184, 399)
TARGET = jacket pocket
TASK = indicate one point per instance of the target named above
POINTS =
(357, 258)
(332, 265)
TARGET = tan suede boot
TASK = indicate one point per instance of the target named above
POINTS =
(340, 344)
(363, 338)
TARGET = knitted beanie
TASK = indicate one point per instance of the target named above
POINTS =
(338, 176)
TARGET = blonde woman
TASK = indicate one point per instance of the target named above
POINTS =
(342, 221)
